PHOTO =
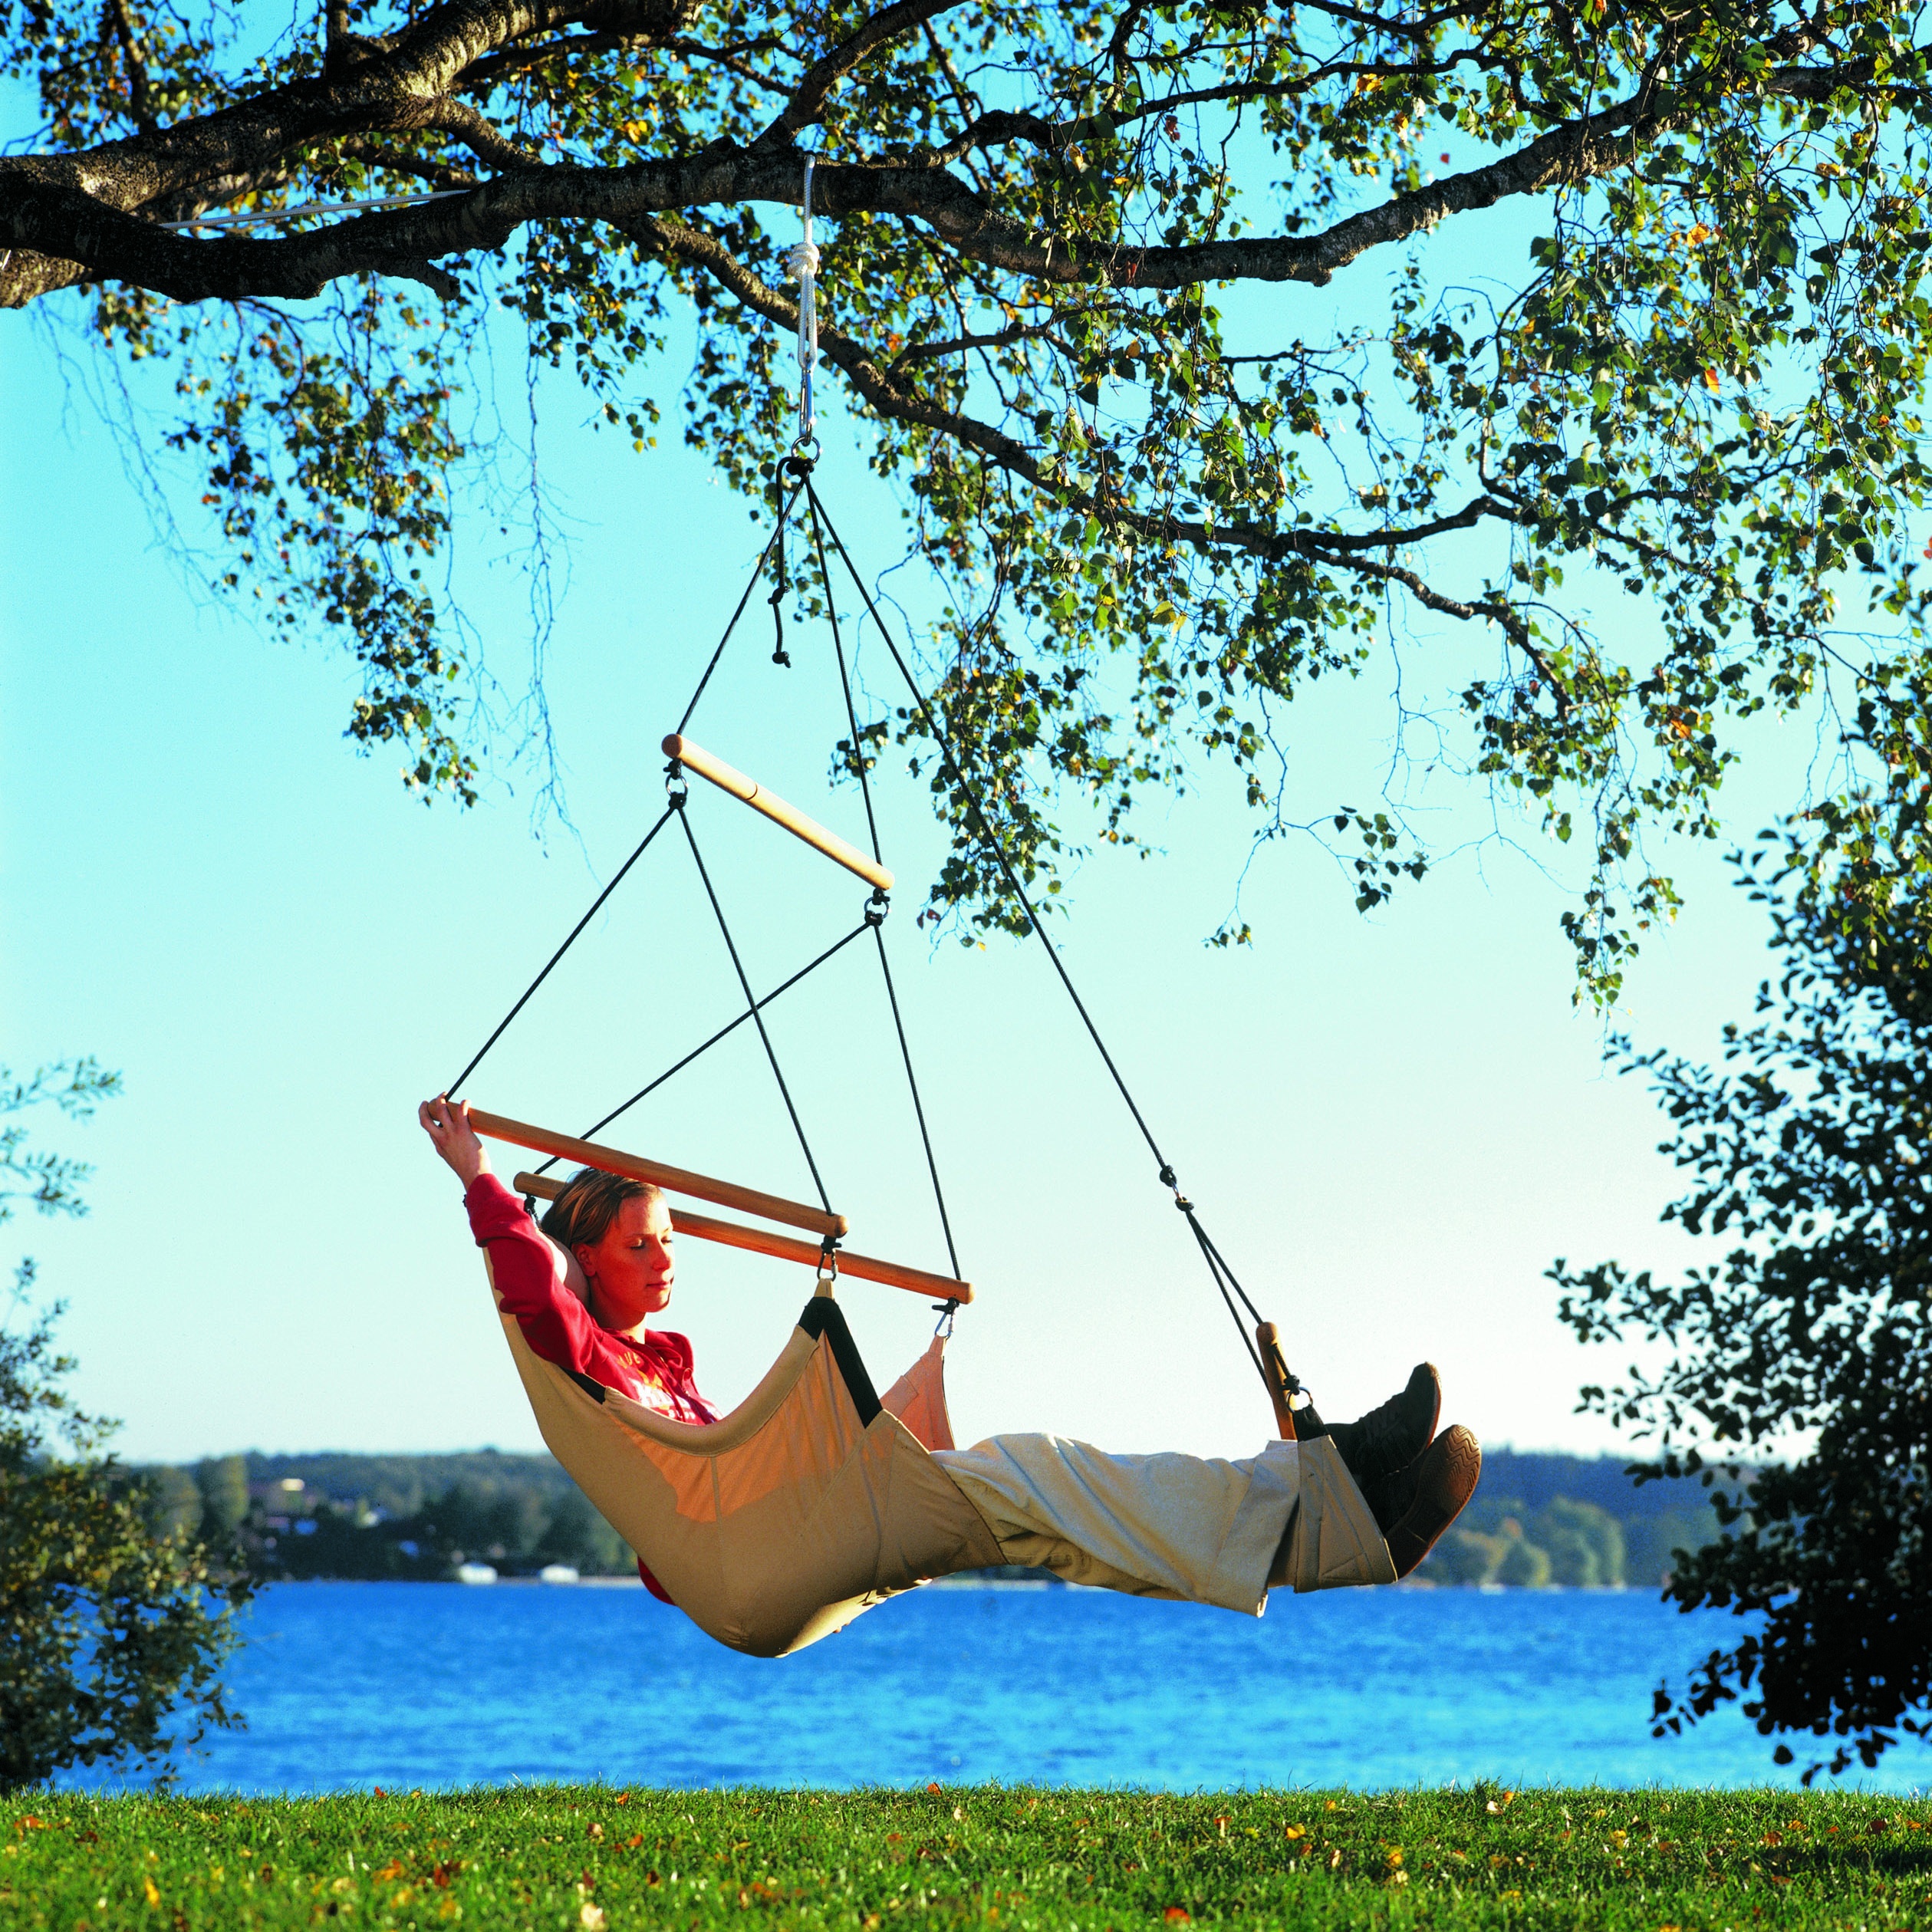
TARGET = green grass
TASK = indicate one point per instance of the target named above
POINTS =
(590, 1856)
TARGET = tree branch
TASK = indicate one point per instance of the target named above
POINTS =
(1341, 550)
(140, 99)
(890, 23)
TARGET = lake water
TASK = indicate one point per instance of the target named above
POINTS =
(401, 1685)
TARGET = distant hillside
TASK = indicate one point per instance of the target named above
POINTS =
(1577, 1522)
(1538, 1479)
(399, 1486)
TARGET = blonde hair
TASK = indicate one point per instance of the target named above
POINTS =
(581, 1215)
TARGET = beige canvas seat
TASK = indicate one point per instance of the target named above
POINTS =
(810, 1502)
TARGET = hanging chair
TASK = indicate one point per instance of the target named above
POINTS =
(814, 1499)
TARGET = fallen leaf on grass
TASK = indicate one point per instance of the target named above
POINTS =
(590, 1918)
(147, 1885)
(1177, 1915)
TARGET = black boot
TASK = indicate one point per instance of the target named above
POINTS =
(1391, 1437)
(1440, 1482)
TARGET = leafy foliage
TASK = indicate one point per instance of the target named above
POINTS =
(113, 1620)
(115, 1631)
(1806, 1150)
(1164, 507)
(51, 1181)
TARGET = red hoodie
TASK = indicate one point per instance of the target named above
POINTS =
(529, 1271)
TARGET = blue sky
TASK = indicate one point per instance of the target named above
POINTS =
(1391, 1125)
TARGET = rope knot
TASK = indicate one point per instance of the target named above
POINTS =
(802, 259)
(876, 909)
(1168, 1177)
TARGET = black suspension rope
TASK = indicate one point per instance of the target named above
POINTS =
(878, 923)
(918, 1110)
(729, 1027)
(776, 537)
(758, 1018)
(777, 532)
(844, 682)
(1218, 1272)
(450, 1090)
(1223, 1277)
(994, 844)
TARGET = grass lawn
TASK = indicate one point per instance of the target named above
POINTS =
(591, 1857)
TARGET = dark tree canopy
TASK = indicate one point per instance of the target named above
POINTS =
(1065, 267)
(1808, 1151)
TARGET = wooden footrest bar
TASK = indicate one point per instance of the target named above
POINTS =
(676, 1180)
(782, 1247)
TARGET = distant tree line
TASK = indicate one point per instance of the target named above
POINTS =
(1539, 1521)
(399, 1518)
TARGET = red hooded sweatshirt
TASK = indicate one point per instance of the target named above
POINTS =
(528, 1271)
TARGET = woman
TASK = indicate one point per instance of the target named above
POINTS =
(1363, 1504)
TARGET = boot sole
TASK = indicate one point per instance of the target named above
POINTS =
(1452, 1465)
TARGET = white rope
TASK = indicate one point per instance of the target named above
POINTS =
(315, 208)
(802, 259)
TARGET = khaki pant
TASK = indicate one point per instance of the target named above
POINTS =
(1170, 1525)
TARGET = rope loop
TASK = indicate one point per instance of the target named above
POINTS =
(676, 790)
(876, 909)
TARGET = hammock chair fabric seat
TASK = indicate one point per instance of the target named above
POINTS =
(777, 1524)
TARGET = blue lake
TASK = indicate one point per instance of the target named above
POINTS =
(403, 1685)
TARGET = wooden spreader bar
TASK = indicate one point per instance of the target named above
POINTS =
(693, 757)
(781, 1247)
(679, 1180)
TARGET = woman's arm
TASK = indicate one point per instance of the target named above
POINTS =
(530, 1272)
(448, 1126)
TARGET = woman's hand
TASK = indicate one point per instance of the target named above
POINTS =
(447, 1123)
